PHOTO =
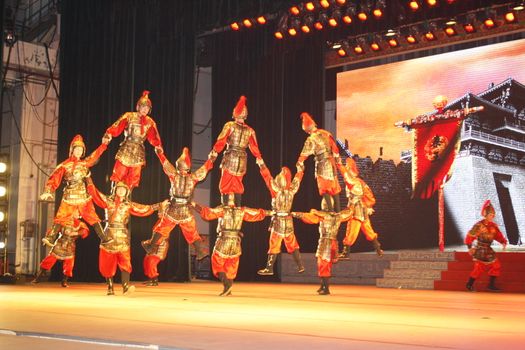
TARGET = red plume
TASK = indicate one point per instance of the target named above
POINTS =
(187, 156)
(237, 111)
(308, 121)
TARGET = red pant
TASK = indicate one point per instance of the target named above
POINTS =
(130, 175)
(290, 243)
(107, 262)
(68, 211)
(227, 265)
(331, 187)
(324, 268)
(189, 229)
(231, 183)
(352, 231)
(150, 266)
(493, 267)
(67, 264)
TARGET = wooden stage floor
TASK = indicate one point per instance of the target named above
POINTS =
(257, 316)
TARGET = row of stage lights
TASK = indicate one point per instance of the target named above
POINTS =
(470, 23)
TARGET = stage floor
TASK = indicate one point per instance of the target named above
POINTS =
(257, 316)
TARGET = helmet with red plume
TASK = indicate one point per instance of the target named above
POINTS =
(487, 208)
(241, 110)
(283, 179)
(144, 100)
(184, 161)
(78, 141)
(308, 122)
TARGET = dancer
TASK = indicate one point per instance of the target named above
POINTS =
(282, 190)
(178, 212)
(76, 202)
(236, 136)
(321, 144)
(118, 208)
(64, 250)
(484, 232)
(137, 127)
(227, 249)
(361, 200)
(327, 248)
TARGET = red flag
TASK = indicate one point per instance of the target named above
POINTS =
(435, 147)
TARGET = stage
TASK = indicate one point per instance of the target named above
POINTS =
(256, 316)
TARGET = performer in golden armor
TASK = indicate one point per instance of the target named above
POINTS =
(64, 250)
(178, 212)
(227, 249)
(236, 136)
(322, 146)
(327, 248)
(137, 127)
(118, 209)
(76, 202)
(361, 200)
(484, 232)
(282, 190)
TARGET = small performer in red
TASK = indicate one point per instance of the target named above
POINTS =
(137, 127)
(321, 144)
(282, 190)
(64, 249)
(485, 232)
(76, 202)
(361, 200)
(183, 183)
(118, 210)
(327, 248)
(227, 249)
(236, 136)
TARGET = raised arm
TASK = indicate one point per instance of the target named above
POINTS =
(254, 147)
(99, 199)
(308, 218)
(223, 137)
(201, 173)
(307, 151)
(208, 213)
(253, 215)
(153, 138)
(93, 158)
(296, 182)
(267, 177)
(117, 127)
(138, 209)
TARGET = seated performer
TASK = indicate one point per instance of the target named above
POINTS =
(327, 248)
(137, 127)
(484, 232)
(236, 136)
(178, 212)
(64, 249)
(282, 190)
(76, 201)
(227, 249)
(361, 200)
(118, 208)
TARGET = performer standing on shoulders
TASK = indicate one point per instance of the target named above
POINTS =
(178, 212)
(327, 248)
(131, 156)
(118, 208)
(361, 200)
(76, 202)
(485, 232)
(236, 136)
(282, 189)
(227, 249)
(64, 250)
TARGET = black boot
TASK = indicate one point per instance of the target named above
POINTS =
(237, 199)
(337, 203)
(324, 286)
(64, 282)
(492, 285)
(38, 276)
(52, 236)
(151, 246)
(109, 281)
(268, 270)
(152, 282)
(377, 247)
(298, 261)
(200, 249)
(470, 284)
(227, 284)
(104, 239)
(345, 253)
(329, 202)
(127, 288)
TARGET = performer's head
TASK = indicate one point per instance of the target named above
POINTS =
(487, 211)
(183, 164)
(439, 103)
(283, 180)
(121, 189)
(144, 103)
(77, 148)
(240, 112)
(325, 206)
(308, 124)
(351, 167)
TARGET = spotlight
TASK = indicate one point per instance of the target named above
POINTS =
(324, 3)
(430, 32)
(294, 27)
(451, 22)
(247, 23)
(411, 39)
(468, 23)
(412, 35)
(510, 17)
(310, 6)
(519, 7)
(362, 16)
(359, 47)
(349, 13)
(414, 5)
(2, 215)
(235, 26)
(431, 3)
(10, 38)
(393, 42)
(344, 50)
(261, 20)
(341, 2)
(321, 21)
(3, 167)
(278, 35)
(295, 10)
(2, 245)
(390, 33)
(379, 8)
(450, 31)
(364, 10)
(334, 19)
(307, 23)
(281, 27)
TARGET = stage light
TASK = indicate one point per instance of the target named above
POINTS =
(432, 3)
(519, 7)
(362, 16)
(469, 28)
(344, 50)
(379, 8)
(510, 17)
(411, 39)
(334, 19)
(349, 13)
(261, 20)
(247, 23)
(2, 245)
(364, 10)
(307, 23)
(295, 10)
(321, 21)
(2, 215)
(393, 42)
(281, 27)
(450, 31)
(489, 23)
(235, 26)
(390, 33)
(359, 46)
(347, 19)
(412, 35)
(324, 3)
(335, 45)
(341, 2)
(278, 35)
(3, 191)
(3, 167)
(429, 30)
(414, 5)
(10, 38)
(310, 6)
(451, 22)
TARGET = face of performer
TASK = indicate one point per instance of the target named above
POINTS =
(143, 110)
(490, 217)
(78, 151)
(239, 120)
(121, 191)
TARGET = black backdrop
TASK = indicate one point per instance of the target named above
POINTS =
(112, 50)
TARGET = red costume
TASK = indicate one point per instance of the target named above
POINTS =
(484, 232)
(64, 250)
(137, 127)
(282, 190)
(227, 249)
(236, 136)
